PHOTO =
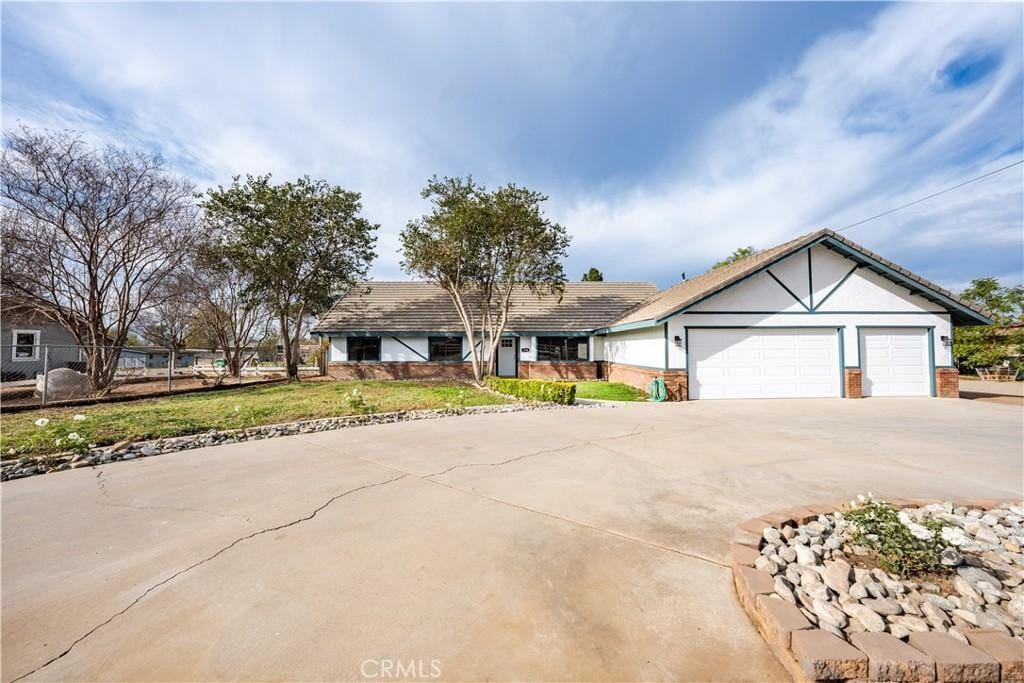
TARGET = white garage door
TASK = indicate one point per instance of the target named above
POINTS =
(894, 362)
(750, 363)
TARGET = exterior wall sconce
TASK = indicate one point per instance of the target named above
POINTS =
(946, 341)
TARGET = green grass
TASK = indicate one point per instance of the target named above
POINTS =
(609, 391)
(109, 423)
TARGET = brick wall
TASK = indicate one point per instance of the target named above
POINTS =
(852, 378)
(675, 380)
(401, 370)
(947, 383)
(558, 371)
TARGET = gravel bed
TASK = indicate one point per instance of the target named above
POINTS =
(30, 466)
(815, 566)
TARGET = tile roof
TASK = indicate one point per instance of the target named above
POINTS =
(689, 292)
(424, 307)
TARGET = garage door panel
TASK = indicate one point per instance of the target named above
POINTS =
(895, 362)
(788, 363)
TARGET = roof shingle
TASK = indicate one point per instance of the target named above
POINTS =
(424, 307)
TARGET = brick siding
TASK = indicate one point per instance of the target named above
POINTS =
(675, 380)
(401, 370)
(558, 371)
(852, 378)
(947, 382)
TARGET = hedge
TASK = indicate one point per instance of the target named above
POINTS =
(535, 389)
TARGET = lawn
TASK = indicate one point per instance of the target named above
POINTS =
(228, 409)
(609, 391)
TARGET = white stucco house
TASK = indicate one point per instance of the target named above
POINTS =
(818, 316)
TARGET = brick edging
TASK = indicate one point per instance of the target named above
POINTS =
(812, 654)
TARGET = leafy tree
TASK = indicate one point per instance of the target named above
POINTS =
(737, 255)
(481, 246)
(89, 237)
(987, 345)
(300, 244)
(593, 275)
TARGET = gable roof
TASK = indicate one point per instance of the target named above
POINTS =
(425, 307)
(688, 293)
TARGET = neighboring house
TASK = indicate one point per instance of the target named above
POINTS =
(818, 316)
(25, 336)
(155, 357)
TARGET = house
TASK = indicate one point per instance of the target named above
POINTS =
(26, 336)
(818, 316)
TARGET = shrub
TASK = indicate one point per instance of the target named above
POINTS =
(879, 527)
(563, 393)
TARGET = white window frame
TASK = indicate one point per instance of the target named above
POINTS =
(36, 335)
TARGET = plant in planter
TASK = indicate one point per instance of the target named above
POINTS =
(903, 547)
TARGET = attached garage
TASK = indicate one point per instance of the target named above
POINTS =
(816, 317)
(895, 362)
(764, 363)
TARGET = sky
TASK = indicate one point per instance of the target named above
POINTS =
(664, 134)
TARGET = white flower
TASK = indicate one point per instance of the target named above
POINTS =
(73, 436)
(58, 441)
(78, 418)
(10, 451)
(238, 409)
(42, 422)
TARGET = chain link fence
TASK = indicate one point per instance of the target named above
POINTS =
(47, 374)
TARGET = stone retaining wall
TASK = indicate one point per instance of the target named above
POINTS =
(812, 654)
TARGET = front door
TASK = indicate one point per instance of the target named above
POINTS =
(507, 357)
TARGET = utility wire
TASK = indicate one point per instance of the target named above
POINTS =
(936, 194)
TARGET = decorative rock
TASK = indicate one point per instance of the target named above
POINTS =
(804, 556)
(784, 589)
(771, 534)
(868, 619)
(899, 631)
(882, 606)
(766, 565)
(914, 624)
(828, 614)
(858, 591)
(837, 576)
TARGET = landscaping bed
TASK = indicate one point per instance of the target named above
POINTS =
(905, 590)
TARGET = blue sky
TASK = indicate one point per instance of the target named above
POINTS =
(665, 134)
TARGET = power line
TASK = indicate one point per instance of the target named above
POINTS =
(936, 194)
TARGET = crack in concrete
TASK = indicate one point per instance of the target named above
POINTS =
(180, 572)
(473, 492)
(525, 455)
(174, 509)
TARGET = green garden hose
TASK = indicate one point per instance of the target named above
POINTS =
(657, 390)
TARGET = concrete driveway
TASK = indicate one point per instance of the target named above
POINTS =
(587, 544)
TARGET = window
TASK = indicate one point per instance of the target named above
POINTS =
(363, 348)
(445, 348)
(508, 343)
(562, 348)
(25, 345)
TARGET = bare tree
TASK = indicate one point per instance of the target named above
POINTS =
(171, 320)
(89, 236)
(226, 310)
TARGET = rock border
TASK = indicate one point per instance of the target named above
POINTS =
(812, 654)
(45, 464)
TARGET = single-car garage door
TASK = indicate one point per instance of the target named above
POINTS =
(894, 362)
(752, 363)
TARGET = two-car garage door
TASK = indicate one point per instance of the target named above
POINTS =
(766, 363)
(804, 363)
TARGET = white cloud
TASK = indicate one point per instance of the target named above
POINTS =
(860, 125)
(862, 122)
